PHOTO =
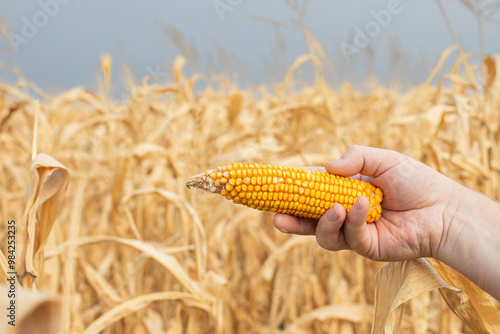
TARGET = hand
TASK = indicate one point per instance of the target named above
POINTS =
(415, 208)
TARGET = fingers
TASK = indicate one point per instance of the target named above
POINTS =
(329, 233)
(296, 225)
(364, 160)
(356, 228)
(335, 230)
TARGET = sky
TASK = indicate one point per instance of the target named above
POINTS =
(58, 44)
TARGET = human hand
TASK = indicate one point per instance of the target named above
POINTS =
(415, 208)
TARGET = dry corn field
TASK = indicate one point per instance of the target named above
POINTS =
(110, 240)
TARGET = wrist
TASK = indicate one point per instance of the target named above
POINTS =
(455, 217)
(469, 241)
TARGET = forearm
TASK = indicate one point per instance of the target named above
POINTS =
(471, 239)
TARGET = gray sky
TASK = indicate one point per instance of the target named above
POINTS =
(58, 43)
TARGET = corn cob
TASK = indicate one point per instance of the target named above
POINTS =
(295, 191)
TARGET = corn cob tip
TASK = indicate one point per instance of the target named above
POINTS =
(195, 181)
(204, 182)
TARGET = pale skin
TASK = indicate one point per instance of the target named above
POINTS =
(424, 214)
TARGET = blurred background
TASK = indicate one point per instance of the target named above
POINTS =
(57, 44)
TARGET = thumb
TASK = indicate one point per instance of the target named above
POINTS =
(355, 227)
(364, 160)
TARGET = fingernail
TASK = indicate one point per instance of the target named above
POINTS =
(357, 204)
(332, 215)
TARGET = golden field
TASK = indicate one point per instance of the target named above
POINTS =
(128, 249)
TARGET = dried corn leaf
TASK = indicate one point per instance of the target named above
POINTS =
(166, 260)
(106, 69)
(492, 69)
(471, 304)
(296, 64)
(34, 313)
(234, 106)
(100, 285)
(442, 59)
(398, 282)
(49, 180)
(424, 125)
(4, 268)
(356, 313)
(138, 303)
